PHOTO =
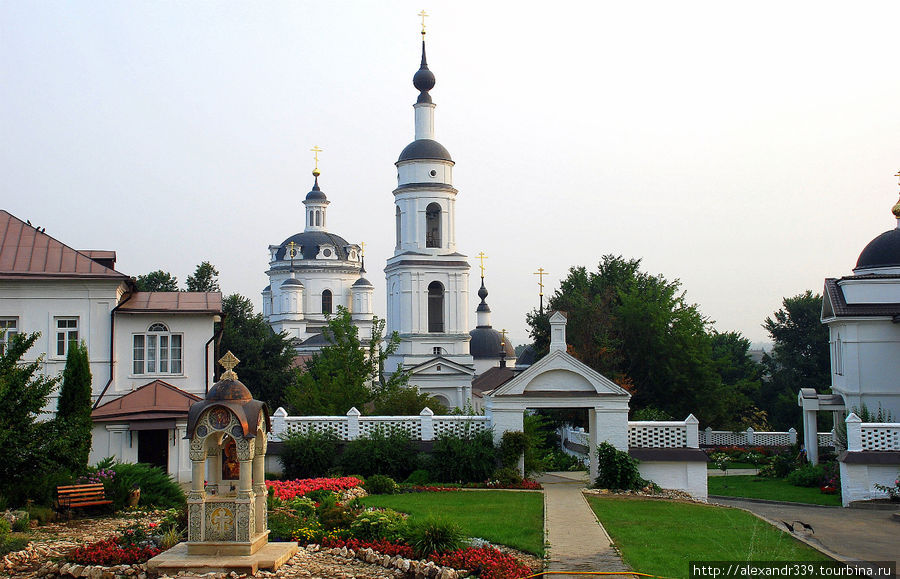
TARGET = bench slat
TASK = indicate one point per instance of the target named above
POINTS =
(85, 495)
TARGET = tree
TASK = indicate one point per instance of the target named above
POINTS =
(799, 357)
(157, 281)
(405, 401)
(742, 377)
(639, 330)
(346, 372)
(204, 279)
(74, 408)
(267, 358)
(29, 447)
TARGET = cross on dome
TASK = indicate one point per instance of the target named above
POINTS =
(229, 361)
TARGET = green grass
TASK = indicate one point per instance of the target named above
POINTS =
(660, 537)
(773, 489)
(515, 519)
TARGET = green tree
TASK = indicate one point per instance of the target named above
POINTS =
(405, 401)
(74, 408)
(267, 358)
(640, 331)
(157, 281)
(28, 446)
(204, 279)
(742, 377)
(799, 357)
(346, 372)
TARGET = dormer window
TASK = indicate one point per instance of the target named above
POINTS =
(157, 351)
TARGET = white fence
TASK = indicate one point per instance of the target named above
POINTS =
(871, 435)
(749, 437)
(648, 434)
(425, 426)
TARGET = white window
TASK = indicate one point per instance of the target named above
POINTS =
(158, 351)
(8, 327)
(66, 332)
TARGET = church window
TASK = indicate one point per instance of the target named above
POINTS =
(327, 253)
(326, 302)
(433, 225)
(397, 225)
(433, 173)
(8, 328)
(435, 307)
(66, 332)
(318, 218)
(311, 214)
(158, 351)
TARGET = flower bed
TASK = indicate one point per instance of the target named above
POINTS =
(486, 562)
(382, 546)
(495, 485)
(110, 552)
(288, 489)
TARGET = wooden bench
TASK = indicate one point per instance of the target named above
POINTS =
(88, 495)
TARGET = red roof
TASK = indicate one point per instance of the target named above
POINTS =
(26, 252)
(156, 400)
(181, 302)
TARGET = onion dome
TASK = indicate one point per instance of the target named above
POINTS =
(310, 243)
(315, 193)
(883, 251)
(423, 80)
(483, 293)
(231, 397)
(424, 149)
(486, 342)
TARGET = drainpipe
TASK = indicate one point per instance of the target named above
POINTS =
(112, 347)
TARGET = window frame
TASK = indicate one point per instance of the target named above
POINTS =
(64, 335)
(5, 332)
(156, 348)
(330, 309)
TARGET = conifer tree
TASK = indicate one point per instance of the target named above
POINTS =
(74, 407)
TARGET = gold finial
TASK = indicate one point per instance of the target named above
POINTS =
(481, 257)
(228, 361)
(292, 251)
(316, 150)
(362, 248)
(896, 208)
(503, 333)
(541, 273)
(423, 14)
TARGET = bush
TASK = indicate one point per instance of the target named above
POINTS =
(283, 521)
(779, 466)
(388, 452)
(435, 536)
(507, 476)
(158, 489)
(385, 525)
(5, 529)
(418, 477)
(512, 447)
(808, 475)
(308, 455)
(617, 470)
(463, 458)
(21, 524)
(41, 514)
(378, 484)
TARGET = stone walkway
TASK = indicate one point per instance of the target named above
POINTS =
(576, 540)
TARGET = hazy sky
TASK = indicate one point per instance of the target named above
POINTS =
(747, 149)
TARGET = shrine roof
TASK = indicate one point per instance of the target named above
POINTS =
(155, 400)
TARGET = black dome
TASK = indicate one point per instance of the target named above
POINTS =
(485, 343)
(362, 282)
(292, 281)
(883, 251)
(424, 149)
(310, 241)
(423, 79)
(527, 357)
(316, 194)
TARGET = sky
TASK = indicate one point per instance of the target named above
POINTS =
(746, 149)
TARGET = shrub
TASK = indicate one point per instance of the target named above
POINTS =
(378, 484)
(41, 514)
(283, 522)
(468, 457)
(5, 529)
(385, 525)
(157, 488)
(485, 562)
(779, 466)
(507, 476)
(430, 536)
(20, 525)
(334, 516)
(617, 470)
(310, 454)
(388, 452)
(381, 546)
(808, 475)
(512, 447)
(418, 477)
(109, 552)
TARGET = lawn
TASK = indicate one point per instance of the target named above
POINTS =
(731, 466)
(660, 537)
(772, 489)
(515, 519)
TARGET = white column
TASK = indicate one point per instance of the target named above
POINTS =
(353, 423)
(279, 424)
(427, 419)
(810, 436)
(693, 431)
(854, 433)
(424, 120)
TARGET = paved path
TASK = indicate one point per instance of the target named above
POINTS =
(577, 541)
(846, 534)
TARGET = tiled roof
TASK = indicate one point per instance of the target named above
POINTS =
(28, 253)
(182, 302)
(843, 309)
(491, 378)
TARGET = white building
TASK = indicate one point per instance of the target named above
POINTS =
(311, 274)
(427, 278)
(151, 354)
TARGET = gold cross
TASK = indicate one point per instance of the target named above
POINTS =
(897, 175)
(362, 245)
(228, 361)
(481, 257)
(541, 273)
(316, 150)
(423, 14)
(293, 251)
(503, 333)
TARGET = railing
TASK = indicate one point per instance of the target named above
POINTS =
(871, 435)
(655, 434)
(425, 426)
(749, 437)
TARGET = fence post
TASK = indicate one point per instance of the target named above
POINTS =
(792, 435)
(707, 439)
(693, 431)
(750, 435)
(427, 419)
(353, 423)
(279, 426)
(854, 432)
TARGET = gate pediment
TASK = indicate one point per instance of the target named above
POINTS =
(560, 374)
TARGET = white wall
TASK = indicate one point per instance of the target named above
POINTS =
(858, 480)
(689, 477)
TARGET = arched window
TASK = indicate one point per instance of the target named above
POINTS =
(157, 351)
(433, 225)
(311, 213)
(318, 218)
(435, 307)
(397, 225)
(326, 302)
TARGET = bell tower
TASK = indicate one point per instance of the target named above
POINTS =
(427, 279)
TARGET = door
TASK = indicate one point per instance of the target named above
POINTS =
(153, 448)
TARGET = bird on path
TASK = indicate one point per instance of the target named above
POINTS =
(789, 526)
(806, 526)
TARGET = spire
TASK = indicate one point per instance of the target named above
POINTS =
(896, 208)
(316, 202)
(423, 80)
(483, 311)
